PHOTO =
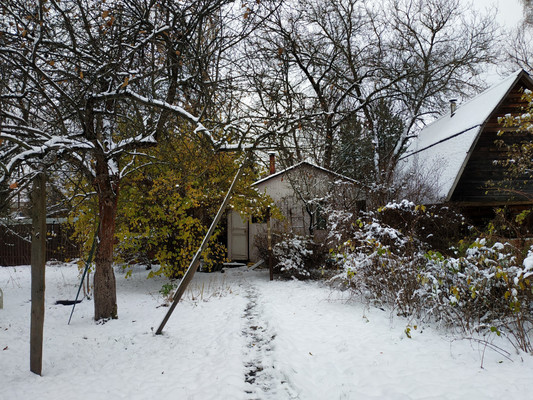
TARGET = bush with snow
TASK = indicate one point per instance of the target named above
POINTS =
(380, 262)
(487, 289)
(482, 288)
(296, 256)
(292, 254)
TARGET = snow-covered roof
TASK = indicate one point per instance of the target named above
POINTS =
(444, 146)
(299, 165)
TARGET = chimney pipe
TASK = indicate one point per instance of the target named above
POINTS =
(272, 163)
(453, 106)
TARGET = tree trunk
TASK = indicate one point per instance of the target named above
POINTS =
(38, 262)
(105, 291)
(328, 143)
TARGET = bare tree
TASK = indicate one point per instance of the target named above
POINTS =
(520, 49)
(95, 82)
(528, 12)
(326, 62)
(444, 49)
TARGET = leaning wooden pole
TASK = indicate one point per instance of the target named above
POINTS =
(38, 262)
(193, 266)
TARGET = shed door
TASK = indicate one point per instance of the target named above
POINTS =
(238, 237)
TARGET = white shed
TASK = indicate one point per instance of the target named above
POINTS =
(297, 191)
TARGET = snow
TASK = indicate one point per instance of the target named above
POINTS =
(528, 265)
(442, 147)
(445, 161)
(467, 116)
(239, 336)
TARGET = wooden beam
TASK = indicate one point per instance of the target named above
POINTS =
(193, 266)
(496, 127)
(38, 261)
(495, 204)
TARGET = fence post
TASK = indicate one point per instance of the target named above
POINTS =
(269, 242)
(38, 261)
(1, 299)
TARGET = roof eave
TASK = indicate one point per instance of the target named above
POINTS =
(266, 178)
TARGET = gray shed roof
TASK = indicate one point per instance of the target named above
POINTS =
(303, 164)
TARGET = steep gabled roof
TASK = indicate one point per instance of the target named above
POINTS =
(446, 144)
(303, 164)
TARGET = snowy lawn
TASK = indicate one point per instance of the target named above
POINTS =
(238, 336)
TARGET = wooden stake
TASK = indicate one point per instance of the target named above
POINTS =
(269, 240)
(38, 263)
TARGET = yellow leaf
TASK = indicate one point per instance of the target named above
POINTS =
(81, 74)
(14, 185)
(105, 14)
(125, 83)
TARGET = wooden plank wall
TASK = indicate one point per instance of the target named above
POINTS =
(15, 245)
(473, 187)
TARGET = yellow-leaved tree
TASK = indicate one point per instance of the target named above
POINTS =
(517, 181)
(167, 206)
(520, 160)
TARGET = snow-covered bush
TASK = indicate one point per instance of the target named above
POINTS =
(432, 227)
(487, 289)
(437, 226)
(292, 254)
(380, 263)
(482, 287)
(296, 256)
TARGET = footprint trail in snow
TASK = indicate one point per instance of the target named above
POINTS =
(263, 380)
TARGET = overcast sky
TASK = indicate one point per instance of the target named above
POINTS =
(510, 14)
(509, 11)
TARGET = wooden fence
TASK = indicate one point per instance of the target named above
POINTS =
(15, 242)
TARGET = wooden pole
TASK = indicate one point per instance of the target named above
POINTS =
(193, 266)
(269, 241)
(38, 262)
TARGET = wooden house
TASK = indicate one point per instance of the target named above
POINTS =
(458, 158)
(298, 192)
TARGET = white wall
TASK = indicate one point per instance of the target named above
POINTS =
(290, 190)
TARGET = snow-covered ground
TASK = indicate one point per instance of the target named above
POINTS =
(238, 336)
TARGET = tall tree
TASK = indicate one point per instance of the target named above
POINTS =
(528, 12)
(93, 82)
(520, 50)
(325, 61)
